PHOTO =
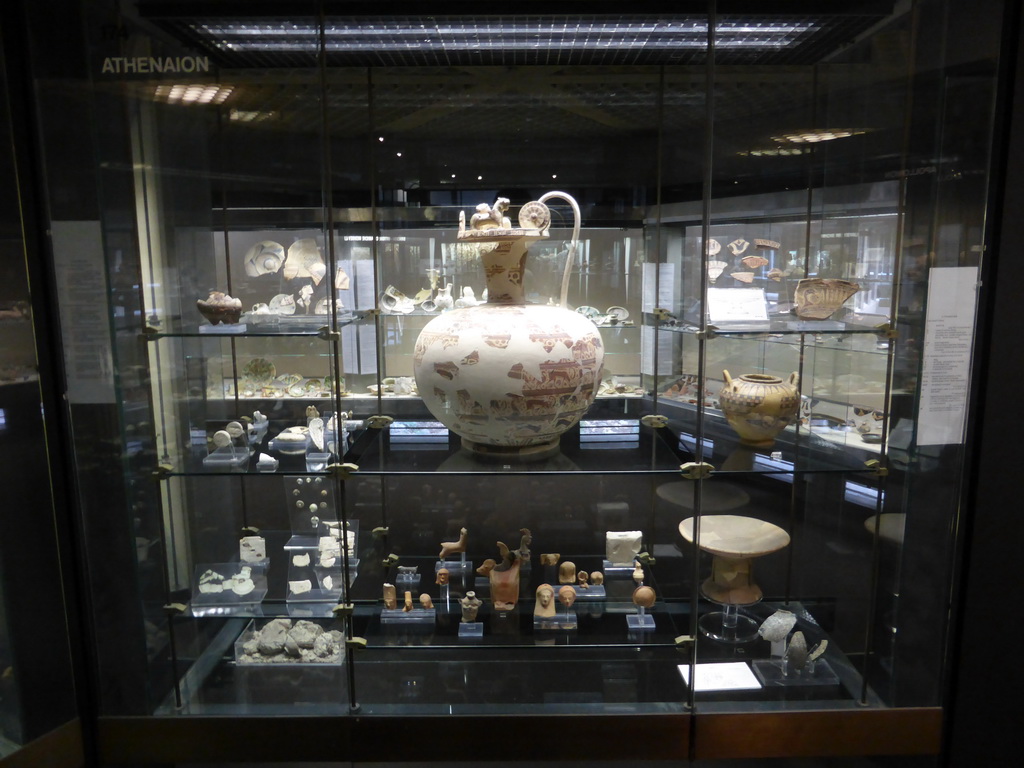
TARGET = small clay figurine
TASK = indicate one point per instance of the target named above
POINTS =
(597, 578)
(442, 577)
(638, 573)
(390, 598)
(425, 601)
(486, 566)
(545, 606)
(470, 605)
(408, 602)
(567, 596)
(504, 578)
(523, 553)
(644, 597)
(549, 559)
(453, 547)
(567, 572)
(581, 579)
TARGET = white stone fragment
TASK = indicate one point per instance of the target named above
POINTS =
(252, 549)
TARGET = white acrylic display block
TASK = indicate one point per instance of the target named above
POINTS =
(617, 570)
(454, 566)
(559, 622)
(407, 582)
(415, 617)
(317, 462)
(229, 457)
(640, 622)
(471, 629)
(592, 592)
(776, 672)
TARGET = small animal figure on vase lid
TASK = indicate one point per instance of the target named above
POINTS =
(523, 553)
(454, 547)
(638, 573)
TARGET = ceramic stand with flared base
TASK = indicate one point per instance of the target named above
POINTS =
(733, 541)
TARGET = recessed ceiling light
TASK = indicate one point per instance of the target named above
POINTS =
(774, 152)
(817, 135)
(195, 93)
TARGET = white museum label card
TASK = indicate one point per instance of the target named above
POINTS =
(82, 292)
(737, 305)
(658, 286)
(948, 342)
(726, 676)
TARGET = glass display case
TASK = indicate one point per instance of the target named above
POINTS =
(349, 492)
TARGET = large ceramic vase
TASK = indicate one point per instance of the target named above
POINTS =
(506, 376)
(759, 406)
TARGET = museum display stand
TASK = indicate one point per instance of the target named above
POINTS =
(355, 502)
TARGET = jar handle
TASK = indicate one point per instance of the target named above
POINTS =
(794, 379)
(570, 259)
(728, 378)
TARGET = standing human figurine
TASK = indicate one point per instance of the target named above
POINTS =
(390, 597)
(545, 605)
(470, 605)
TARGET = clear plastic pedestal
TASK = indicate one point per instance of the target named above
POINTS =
(641, 621)
(779, 672)
(415, 617)
(728, 625)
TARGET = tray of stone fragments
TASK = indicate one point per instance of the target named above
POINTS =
(229, 584)
(284, 641)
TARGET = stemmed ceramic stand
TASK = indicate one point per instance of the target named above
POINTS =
(733, 541)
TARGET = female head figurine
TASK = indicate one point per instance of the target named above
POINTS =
(442, 577)
(567, 596)
(545, 605)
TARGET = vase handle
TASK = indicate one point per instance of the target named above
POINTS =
(794, 379)
(727, 377)
(571, 258)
